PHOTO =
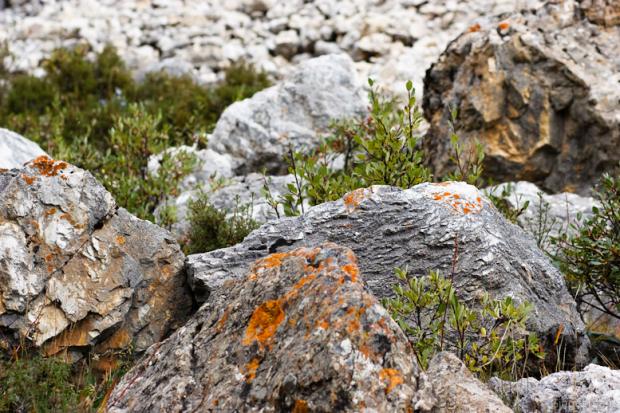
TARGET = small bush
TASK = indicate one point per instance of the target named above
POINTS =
(491, 340)
(211, 229)
(590, 259)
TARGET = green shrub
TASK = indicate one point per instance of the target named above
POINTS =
(491, 340)
(590, 259)
(211, 229)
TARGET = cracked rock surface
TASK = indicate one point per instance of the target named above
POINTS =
(299, 332)
(416, 228)
(539, 89)
(76, 272)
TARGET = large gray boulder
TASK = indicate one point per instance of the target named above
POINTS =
(539, 89)
(76, 272)
(595, 389)
(258, 131)
(298, 333)
(15, 150)
(418, 228)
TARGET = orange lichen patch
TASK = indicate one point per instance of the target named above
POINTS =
(250, 369)
(120, 240)
(301, 406)
(354, 198)
(474, 28)
(50, 211)
(222, 321)
(28, 179)
(271, 261)
(467, 201)
(392, 377)
(352, 270)
(263, 323)
(47, 166)
(323, 323)
(69, 219)
(503, 26)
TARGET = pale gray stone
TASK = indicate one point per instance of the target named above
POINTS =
(15, 150)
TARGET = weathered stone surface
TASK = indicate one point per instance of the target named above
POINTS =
(418, 228)
(298, 333)
(76, 272)
(258, 131)
(448, 386)
(539, 89)
(595, 389)
(15, 150)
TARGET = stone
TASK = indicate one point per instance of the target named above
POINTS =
(299, 333)
(76, 272)
(258, 131)
(15, 150)
(595, 389)
(448, 386)
(417, 228)
(539, 89)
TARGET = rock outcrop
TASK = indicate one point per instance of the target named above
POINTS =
(539, 89)
(78, 273)
(298, 333)
(15, 150)
(258, 132)
(595, 389)
(417, 228)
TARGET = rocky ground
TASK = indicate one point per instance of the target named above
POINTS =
(291, 319)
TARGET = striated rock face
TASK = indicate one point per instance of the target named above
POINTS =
(298, 333)
(15, 150)
(258, 131)
(76, 272)
(595, 389)
(539, 89)
(453, 388)
(418, 228)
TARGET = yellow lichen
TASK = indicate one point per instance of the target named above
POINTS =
(392, 377)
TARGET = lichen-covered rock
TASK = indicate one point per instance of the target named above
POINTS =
(417, 228)
(299, 333)
(15, 150)
(448, 386)
(595, 389)
(76, 272)
(258, 131)
(539, 89)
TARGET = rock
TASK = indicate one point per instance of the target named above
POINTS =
(547, 215)
(416, 228)
(258, 131)
(595, 389)
(15, 150)
(448, 386)
(239, 192)
(76, 273)
(539, 89)
(298, 333)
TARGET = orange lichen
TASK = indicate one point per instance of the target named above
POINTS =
(392, 377)
(120, 240)
(222, 321)
(458, 202)
(28, 179)
(271, 261)
(301, 406)
(352, 270)
(324, 324)
(250, 369)
(50, 211)
(354, 198)
(47, 166)
(263, 323)
(503, 26)
(68, 218)
(474, 28)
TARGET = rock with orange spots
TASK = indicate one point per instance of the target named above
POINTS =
(299, 333)
(15, 150)
(539, 89)
(416, 228)
(76, 273)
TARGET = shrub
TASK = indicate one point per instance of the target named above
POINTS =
(491, 340)
(590, 259)
(211, 229)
